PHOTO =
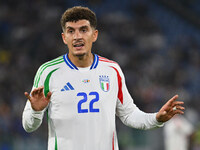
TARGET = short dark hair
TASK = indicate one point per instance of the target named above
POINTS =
(77, 13)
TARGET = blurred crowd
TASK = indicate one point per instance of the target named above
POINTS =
(156, 64)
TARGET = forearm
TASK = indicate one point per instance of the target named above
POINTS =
(141, 120)
(31, 119)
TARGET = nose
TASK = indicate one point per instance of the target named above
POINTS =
(77, 35)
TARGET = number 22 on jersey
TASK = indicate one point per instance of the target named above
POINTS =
(93, 97)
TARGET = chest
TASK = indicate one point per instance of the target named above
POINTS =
(88, 92)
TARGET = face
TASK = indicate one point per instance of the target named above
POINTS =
(79, 36)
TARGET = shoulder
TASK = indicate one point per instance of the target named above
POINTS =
(46, 68)
(109, 63)
(112, 65)
(53, 62)
(51, 65)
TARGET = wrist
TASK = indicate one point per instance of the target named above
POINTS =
(37, 114)
(158, 122)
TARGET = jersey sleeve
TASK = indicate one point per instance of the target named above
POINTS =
(31, 120)
(128, 112)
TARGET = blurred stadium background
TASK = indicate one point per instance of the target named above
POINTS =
(156, 42)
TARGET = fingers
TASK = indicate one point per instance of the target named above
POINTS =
(177, 104)
(173, 103)
(48, 96)
(34, 93)
(172, 99)
(27, 95)
(178, 112)
(40, 90)
(37, 91)
(171, 108)
(178, 109)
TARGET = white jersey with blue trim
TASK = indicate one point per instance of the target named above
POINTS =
(83, 105)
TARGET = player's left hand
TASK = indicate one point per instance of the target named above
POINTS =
(171, 108)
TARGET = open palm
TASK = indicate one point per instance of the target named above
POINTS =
(171, 108)
(38, 99)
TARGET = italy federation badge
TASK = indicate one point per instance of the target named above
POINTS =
(104, 83)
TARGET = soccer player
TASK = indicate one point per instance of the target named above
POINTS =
(177, 133)
(83, 92)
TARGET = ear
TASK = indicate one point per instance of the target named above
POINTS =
(95, 35)
(64, 38)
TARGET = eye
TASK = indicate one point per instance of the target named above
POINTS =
(70, 31)
(84, 30)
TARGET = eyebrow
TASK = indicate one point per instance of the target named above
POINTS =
(69, 27)
(83, 27)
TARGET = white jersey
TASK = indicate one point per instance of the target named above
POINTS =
(177, 132)
(83, 105)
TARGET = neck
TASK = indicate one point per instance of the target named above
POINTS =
(82, 61)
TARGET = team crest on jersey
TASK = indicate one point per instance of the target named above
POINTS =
(104, 83)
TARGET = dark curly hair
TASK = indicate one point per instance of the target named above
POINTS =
(77, 13)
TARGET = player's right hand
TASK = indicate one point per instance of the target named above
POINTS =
(38, 99)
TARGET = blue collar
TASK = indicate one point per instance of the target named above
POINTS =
(72, 66)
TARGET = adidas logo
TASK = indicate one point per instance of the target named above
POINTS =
(67, 87)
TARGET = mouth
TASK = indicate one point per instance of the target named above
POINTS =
(78, 45)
